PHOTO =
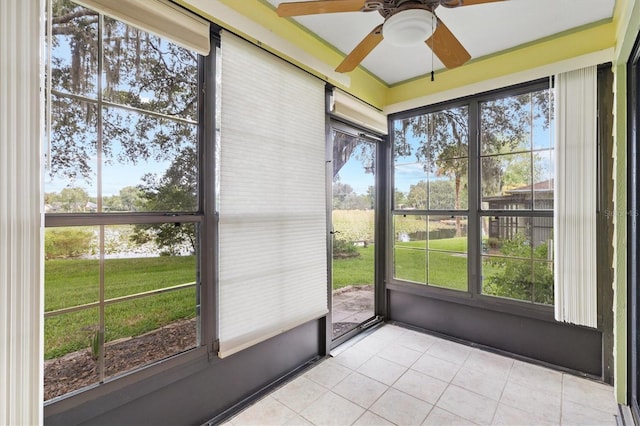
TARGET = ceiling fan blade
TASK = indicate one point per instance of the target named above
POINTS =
(447, 47)
(319, 6)
(363, 48)
(472, 2)
(457, 3)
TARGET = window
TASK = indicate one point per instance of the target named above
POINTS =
(473, 209)
(516, 176)
(123, 212)
(431, 162)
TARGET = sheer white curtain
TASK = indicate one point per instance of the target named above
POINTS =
(21, 24)
(575, 197)
(273, 236)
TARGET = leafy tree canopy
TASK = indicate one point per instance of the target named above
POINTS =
(139, 70)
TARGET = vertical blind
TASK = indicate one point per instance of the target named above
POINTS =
(575, 197)
(272, 228)
(21, 256)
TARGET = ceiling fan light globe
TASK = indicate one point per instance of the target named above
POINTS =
(411, 26)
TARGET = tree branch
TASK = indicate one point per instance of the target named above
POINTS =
(65, 19)
(69, 29)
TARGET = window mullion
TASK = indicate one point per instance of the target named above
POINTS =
(207, 198)
(473, 221)
(99, 136)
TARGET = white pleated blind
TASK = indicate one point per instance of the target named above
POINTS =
(272, 230)
(21, 255)
(159, 17)
(575, 197)
(346, 106)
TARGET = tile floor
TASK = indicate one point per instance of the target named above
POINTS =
(403, 377)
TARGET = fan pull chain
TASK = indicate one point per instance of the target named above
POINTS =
(433, 77)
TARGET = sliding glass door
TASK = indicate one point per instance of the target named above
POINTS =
(353, 228)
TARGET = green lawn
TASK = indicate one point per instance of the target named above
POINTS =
(448, 268)
(72, 282)
(354, 271)
(73, 331)
(446, 265)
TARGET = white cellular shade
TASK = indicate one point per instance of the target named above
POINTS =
(21, 306)
(159, 17)
(575, 197)
(356, 111)
(272, 229)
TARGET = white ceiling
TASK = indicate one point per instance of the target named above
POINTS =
(482, 29)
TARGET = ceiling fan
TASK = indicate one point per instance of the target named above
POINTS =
(405, 22)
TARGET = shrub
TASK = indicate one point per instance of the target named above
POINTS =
(344, 249)
(518, 277)
(65, 243)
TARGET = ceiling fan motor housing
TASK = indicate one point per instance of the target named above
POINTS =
(409, 26)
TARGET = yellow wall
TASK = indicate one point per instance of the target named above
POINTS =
(575, 43)
(363, 85)
(627, 20)
(375, 92)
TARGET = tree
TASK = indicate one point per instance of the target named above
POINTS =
(140, 70)
(370, 197)
(131, 198)
(417, 197)
(441, 195)
(345, 146)
(340, 193)
(176, 190)
(73, 199)
(439, 140)
(400, 198)
(112, 204)
(443, 147)
(434, 195)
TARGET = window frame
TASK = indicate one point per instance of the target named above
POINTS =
(204, 217)
(473, 296)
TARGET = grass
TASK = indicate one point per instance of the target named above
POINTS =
(443, 265)
(447, 268)
(73, 282)
(73, 331)
(356, 270)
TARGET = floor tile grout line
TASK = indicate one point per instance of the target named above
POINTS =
(502, 393)
(310, 403)
(390, 387)
(398, 390)
(390, 343)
